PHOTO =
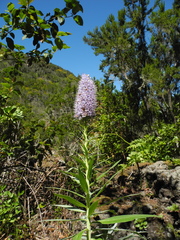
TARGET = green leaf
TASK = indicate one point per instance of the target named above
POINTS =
(61, 20)
(78, 236)
(124, 218)
(22, 2)
(10, 6)
(82, 180)
(25, 2)
(65, 46)
(54, 48)
(59, 43)
(77, 8)
(67, 190)
(69, 207)
(44, 25)
(104, 174)
(6, 18)
(78, 160)
(68, 1)
(60, 33)
(10, 43)
(19, 47)
(62, 220)
(54, 30)
(93, 207)
(78, 19)
(72, 200)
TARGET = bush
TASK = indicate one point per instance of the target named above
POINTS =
(164, 145)
(10, 212)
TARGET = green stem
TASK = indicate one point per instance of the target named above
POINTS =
(88, 197)
(88, 193)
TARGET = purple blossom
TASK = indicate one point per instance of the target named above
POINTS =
(85, 102)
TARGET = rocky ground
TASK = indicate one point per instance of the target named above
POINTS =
(152, 189)
(157, 191)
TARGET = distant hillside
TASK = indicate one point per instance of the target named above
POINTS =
(46, 96)
(48, 89)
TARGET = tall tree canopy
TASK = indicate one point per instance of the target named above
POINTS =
(141, 49)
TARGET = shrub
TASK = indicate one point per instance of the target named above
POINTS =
(164, 145)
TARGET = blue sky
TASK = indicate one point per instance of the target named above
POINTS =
(80, 57)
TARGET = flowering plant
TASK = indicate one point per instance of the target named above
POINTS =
(85, 174)
(85, 103)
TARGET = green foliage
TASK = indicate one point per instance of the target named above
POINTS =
(10, 212)
(85, 175)
(36, 103)
(173, 208)
(111, 122)
(39, 27)
(141, 224)
(163, 145)
(148, 70)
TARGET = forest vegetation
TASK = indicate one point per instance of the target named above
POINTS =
(39, 135)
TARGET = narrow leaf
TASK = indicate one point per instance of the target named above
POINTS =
(72, 200)
(93, 207)
(62, 220)
(62, 189)
(77, 159)
(124, 218)
(78, 236)
(104, 174)
(61, 33)
(69, 207)
(83, 182)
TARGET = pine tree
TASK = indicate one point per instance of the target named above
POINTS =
(124, 47)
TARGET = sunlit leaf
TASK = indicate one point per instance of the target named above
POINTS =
(124, 218)
(72, 200)
(67, 190)
(61, 33)
(61, 220)
(61, 20)
(78, 236)
(83, 182)
(44, 25)
(6, 18)
(69, 207)
(105, 173)
(25, 2)
(78, 19)
(54, 48)
(93, 207)
(10, 6)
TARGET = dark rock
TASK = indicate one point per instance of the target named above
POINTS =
(153, 190)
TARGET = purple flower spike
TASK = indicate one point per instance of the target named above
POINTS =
(85, 102)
